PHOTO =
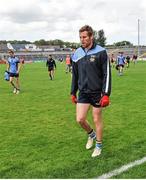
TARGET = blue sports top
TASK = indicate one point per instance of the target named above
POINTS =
(121, 60)
(13, 64)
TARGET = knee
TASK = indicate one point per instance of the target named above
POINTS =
(11, 80)
(97, 118)
(80, 120)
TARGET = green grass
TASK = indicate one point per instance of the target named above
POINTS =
(39, 137)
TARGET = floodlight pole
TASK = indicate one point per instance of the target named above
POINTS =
(138, 48)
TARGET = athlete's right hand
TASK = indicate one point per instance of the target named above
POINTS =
(73, 99)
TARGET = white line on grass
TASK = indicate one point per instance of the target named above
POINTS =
(122, 169)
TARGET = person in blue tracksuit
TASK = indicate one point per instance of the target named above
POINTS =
(13, 67)
(91, 77)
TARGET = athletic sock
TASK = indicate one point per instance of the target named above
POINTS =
(98, 144)
(92, 134)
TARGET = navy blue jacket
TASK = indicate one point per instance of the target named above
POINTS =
(91, 71)
(51, 63)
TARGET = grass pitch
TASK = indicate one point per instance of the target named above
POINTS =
(39, 137)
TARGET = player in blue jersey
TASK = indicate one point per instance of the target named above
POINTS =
(13, 67)
(120, 63)
(91, 76)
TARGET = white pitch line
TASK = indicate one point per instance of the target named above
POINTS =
(122, 169)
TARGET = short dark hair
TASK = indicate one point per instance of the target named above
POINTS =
(88, 29)
(10, 51)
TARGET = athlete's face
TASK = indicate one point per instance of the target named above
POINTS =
(86, 40)
(11, 54)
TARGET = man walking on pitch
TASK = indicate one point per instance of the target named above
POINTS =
(13, 67)
(68, 63)
(120, 63)
(51, 65)
(92, 77)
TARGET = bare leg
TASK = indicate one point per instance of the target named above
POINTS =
(11, 82)
(17, 83)
(50, 75)
(81, 114)
(121, 70)
(97, 117)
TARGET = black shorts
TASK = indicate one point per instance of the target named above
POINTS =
(121, 65)
(13, 74)
(117, 67)
(90, 98)
(50, 68)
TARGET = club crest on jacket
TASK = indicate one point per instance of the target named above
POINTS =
(92, 58)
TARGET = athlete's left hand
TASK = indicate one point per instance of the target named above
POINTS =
(104, 101)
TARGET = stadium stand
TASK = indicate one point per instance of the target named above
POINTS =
(3, 48)
(30, 52)
(128, 51)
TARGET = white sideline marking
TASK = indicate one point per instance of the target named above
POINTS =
(122, 169)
